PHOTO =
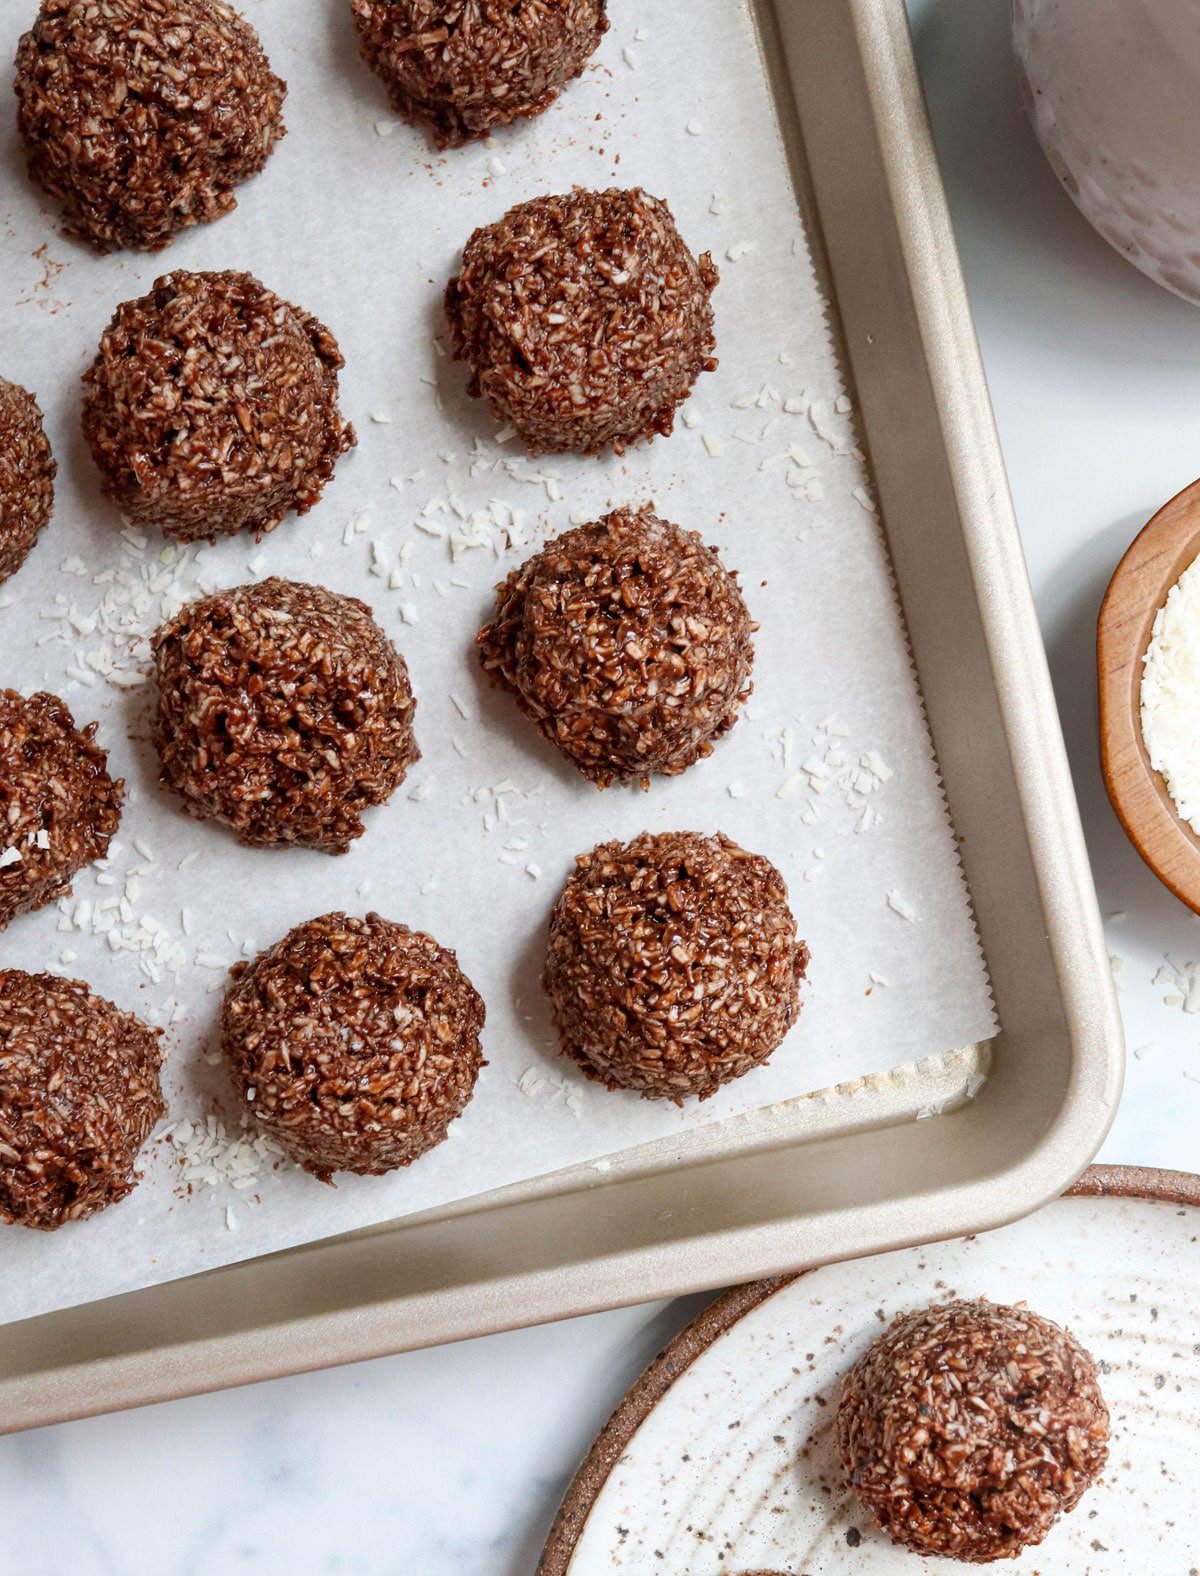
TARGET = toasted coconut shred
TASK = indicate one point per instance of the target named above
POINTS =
(967, 1428)
(27, 472)
(464, 67)
(673, 965)
(628, 643)
(212, 407)
(142, 116)
(283, 712)
(79, 1095)
(354, 1043)
(584, 319)
(59, 808)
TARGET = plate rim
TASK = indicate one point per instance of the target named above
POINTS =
(651, 1386)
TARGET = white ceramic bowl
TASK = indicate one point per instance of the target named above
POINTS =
(1113, 90)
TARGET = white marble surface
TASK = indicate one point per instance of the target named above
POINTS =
(450, 1463)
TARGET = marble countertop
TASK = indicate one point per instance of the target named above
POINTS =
(452, 1462)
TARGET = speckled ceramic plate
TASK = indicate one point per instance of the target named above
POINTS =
(721, 1459)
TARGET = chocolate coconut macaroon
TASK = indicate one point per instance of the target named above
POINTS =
(79, 1095)
(673, 965)
(584, 319)
(627, 642)
(212, 407)
(968, 1428)
(353, 1042)
(283, 711)
(464, 67)
(59, 808)
(143, 116)
(27, 472)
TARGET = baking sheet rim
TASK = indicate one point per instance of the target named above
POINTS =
(1090, 1101)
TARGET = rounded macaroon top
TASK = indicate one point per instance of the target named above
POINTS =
(79, 1095)
(584, 319)
(283, 712)
(354, 1043)
(212, 407)
(27, 472)
(967, 1428)
(143, 116)
(59, 808)
(673, 964)
(465, 67)
(627, 642)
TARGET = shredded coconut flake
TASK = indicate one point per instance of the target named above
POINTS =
(210, 1155)
(1170, 695)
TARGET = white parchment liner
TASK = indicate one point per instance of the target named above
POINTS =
(358, 221)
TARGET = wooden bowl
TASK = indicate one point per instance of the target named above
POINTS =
(1157, 558)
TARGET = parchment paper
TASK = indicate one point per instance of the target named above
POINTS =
(358, 221)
